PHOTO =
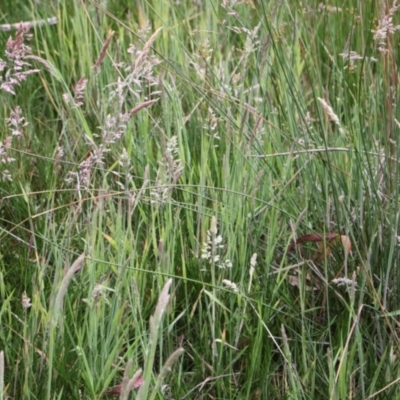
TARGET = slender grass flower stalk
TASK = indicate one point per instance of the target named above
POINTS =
(59, 301)
(166, 368)
(168, 174)
(128, 384)
(212, 252)
(213, 247)
(103, 52)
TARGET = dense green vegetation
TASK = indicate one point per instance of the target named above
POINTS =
(176, 180)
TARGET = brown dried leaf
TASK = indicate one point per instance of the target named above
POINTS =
(325, 244)
(117, 390)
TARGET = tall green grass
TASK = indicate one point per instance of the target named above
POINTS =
(144, 245)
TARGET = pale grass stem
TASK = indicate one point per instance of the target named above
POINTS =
(1, 375)
(28, 24)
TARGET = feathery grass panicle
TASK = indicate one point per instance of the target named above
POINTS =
(329, 111)
(4, 148)
(155, 323)
(128, 384)
(48, 66)
(168, 174)
(385, 25)
(253, 264)
(16, 68)
(212, 249)
(143, 54)
(156, 318)
(171, 360)
(165, 370)
(16, 122)
(79, 92)
(135, 198)
(62, 291)
(103, 52)
(139, 107)
(5, 158)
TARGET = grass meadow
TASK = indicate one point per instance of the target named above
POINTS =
(199, 199)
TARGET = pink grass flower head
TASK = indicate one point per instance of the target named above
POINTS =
(16, 68)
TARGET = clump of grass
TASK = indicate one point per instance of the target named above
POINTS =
(197, 144)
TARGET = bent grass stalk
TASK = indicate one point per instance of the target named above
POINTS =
(155, 324)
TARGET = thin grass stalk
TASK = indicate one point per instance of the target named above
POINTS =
(2, 375)
(213, 230)
(344, 351)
